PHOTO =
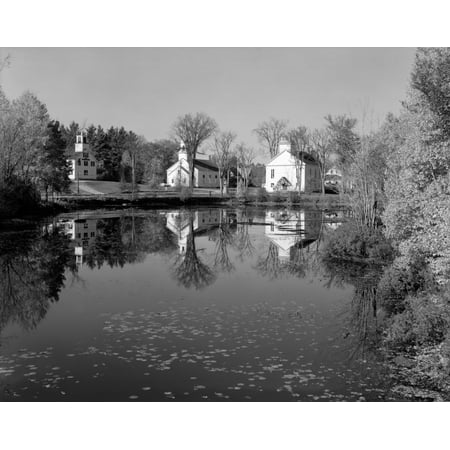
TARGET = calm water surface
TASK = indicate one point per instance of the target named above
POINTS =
(202, 304)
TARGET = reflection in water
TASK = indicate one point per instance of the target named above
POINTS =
(116, 240)
(292, 345)
(242, 241)
(189, 270)
(291, 235)
(224, 238)
(363, 324)
(32, 274)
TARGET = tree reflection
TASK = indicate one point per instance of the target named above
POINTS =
(270, 266)
(363, 323)
(128, 239)
(224, 237)
(32, 274)
(189, 270)
(243, 242)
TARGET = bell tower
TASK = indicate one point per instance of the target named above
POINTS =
(81, 144)
(182, 154)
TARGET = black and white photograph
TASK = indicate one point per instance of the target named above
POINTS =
(224, 225)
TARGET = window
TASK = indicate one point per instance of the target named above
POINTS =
(85, 155)
(92, 163)
(216, 176)
(172, 180)
(79, 235)
(85, 235)
(272, 173)
(92, 233)
(86, 163)
(85, 225)
(203, 175)
(79, 162)
(271, 184)
(86, 172)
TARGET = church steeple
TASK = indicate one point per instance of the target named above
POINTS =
(81, 144)
(182, 154)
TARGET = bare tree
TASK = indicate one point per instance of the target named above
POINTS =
(193, 130)
(300, 142)
(245, 156)
(222, 153)
(322, 149)
(134, 148)
(270, 134)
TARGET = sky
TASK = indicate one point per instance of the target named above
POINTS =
(146, 89)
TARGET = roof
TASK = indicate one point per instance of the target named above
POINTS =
(72, 154)
(205, 165)
(306, 157)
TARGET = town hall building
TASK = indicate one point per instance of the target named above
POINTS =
(282, 171)
(206, 173)
(81, 160)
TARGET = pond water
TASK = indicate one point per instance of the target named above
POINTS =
(185, 305)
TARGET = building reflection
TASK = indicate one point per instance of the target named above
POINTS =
(82, 233)
(334, 219)
(188, 268)
(289, 230)
(183, 223)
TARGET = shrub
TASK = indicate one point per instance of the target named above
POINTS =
(353, 241)
(276, 197)
(424, 321)
(125, 187)
(261, 195)
(406, 276)
(185, 193)
(293, 197)
(18, 197)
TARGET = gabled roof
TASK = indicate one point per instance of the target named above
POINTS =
(205, 165)
(306, 157)
(199, 163)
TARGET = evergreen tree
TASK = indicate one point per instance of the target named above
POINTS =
(54, 170)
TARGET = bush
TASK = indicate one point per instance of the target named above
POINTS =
(261, 195)
(18, 197)
(125, 187)
(185, 193)
(424, 321)
(276, 197)
(353, 241)
(406, 276)
(293, 197)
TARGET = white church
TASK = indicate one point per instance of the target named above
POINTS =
(206, 173)
(282, 171)
(82, 161)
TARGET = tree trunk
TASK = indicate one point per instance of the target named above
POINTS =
(133, 176)
(191, 173)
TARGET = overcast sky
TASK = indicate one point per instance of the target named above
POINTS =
(145, 89)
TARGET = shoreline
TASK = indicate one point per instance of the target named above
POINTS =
(124, 201)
